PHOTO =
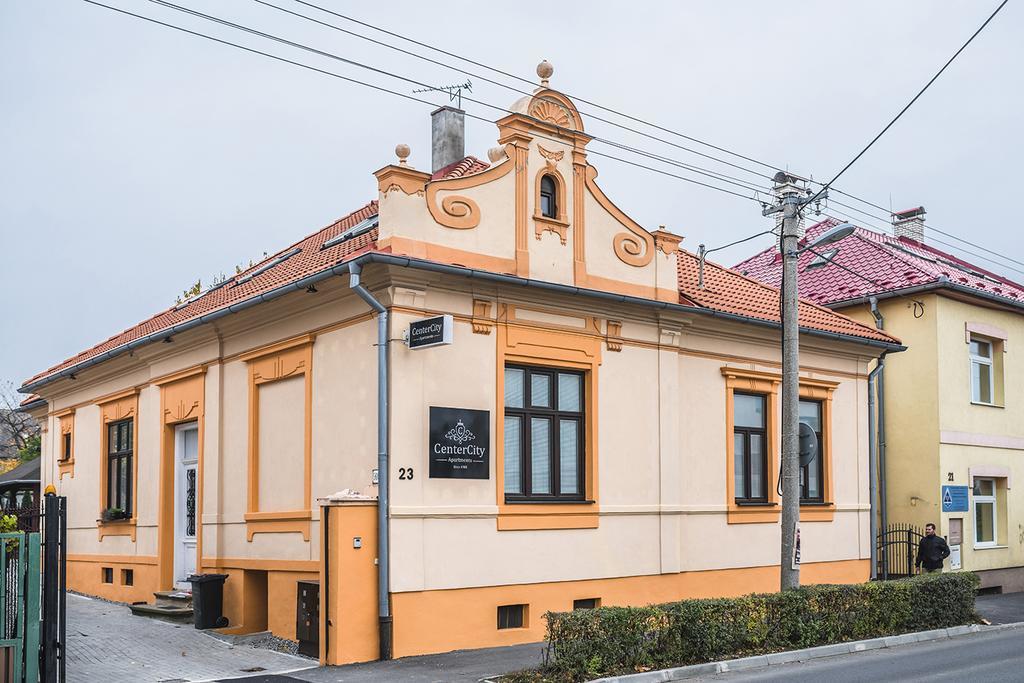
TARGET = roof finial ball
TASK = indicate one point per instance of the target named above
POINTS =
(402, 151)
(544, 70)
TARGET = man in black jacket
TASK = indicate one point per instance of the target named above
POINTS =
(931, 551)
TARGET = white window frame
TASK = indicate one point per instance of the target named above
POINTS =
(986, 361)
(995, 514)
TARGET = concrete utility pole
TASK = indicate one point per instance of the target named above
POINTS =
(790, 198)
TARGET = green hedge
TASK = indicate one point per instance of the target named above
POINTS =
(615, 640)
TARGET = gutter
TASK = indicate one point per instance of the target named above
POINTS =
(384, 624)
(402, 261)
(472, 273)
(876, 432)
(942, 283)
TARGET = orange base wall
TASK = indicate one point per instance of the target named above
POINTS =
(85, 575)
(261, 600)
(440, 621)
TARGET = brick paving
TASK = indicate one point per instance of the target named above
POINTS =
(107, 643)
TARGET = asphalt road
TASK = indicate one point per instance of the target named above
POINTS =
(977, 658)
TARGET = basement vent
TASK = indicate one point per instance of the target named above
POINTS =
(365, 225)
(267, 266)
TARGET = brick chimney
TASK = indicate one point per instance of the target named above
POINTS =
(448, 137)
(909, 223)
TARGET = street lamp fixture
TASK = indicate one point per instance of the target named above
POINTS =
(841, 231)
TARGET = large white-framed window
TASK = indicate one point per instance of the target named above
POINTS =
(982, 373)
(986, 531)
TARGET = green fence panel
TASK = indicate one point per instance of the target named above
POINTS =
(32, 626)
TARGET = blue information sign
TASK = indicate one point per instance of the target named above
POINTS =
(954, 499)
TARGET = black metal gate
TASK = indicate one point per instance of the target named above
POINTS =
(50, 519)
(54, 589)
(897, 550)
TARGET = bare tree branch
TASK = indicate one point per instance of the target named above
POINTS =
(17, 429)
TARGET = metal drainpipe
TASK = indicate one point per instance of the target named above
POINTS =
(872, 451)
(880, 427)
(383, 580)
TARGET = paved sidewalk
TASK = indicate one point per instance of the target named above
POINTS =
(463, 665)
(107, 643)
(1005, 608)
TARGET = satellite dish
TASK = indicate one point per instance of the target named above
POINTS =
(808, 444)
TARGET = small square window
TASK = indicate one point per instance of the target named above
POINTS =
(108, 575)
(127, 577)
(586, 603)
(511, 616)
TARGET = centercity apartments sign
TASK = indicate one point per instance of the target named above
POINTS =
(460, 443)
(429, 332)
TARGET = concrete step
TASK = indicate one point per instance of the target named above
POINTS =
(174, 598)
(169, 613)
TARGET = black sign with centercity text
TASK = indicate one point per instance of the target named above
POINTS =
(460, 443)
(430, 332)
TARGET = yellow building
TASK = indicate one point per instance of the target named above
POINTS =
(572, 421)
(953, 438)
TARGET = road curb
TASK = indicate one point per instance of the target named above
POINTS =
(762, 661)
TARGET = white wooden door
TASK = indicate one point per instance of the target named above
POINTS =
(186, 459)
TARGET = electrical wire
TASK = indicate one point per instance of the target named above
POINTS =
(844, 216)
(578, 98)
(485, 79)
(345, 60)
(393, 92)
(909, 104)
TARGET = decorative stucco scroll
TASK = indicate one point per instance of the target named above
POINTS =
(459, 212)
(635, 247)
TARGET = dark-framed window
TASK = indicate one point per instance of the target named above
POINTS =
(750, 447)
(511, 616)
(119, 466)
(544, 427)
(812, 475)
(548, 197)
(66, 447)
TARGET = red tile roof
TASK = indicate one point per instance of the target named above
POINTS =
(31, 398)
(725, 291)
(730, 292)
(311, 259)
(890, 263)
(467, 166)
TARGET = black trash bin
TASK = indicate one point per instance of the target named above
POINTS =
(208, 600)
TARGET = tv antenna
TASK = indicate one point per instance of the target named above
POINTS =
(454, 92)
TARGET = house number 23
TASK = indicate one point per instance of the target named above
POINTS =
(405, 473)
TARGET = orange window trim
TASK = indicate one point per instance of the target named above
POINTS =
(557, 224)
(119, 407)
(182, 400)
(66, 465)
(556, 349)
(283, 360)
(737, 379)
(768, 383)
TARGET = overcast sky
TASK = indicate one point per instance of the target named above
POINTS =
(136, 159)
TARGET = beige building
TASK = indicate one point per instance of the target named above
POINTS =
(577, 422)
(953, 415)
